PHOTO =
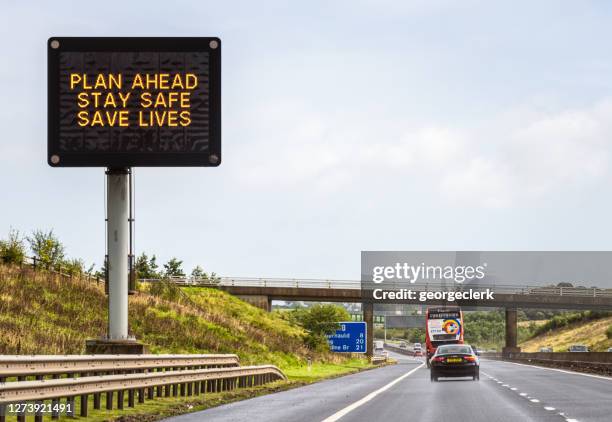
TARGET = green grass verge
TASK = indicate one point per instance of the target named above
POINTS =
(320, 371)
(41, 313)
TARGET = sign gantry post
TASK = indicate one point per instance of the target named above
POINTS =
(121, 103)
(118, 212)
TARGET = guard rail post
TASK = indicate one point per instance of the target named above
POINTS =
(109, 400)
(120, 399)
(70, 404)
(96, 401)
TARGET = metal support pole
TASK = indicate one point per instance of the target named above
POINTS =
(385, 329)
(118, 233)
(368, 317)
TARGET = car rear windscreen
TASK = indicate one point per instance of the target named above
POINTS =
(448, 350)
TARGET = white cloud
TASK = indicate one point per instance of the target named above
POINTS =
(524, 159)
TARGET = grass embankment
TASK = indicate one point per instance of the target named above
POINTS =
(41, 313)
(591, 333)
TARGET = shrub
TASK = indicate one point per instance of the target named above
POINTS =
(609, 332)
(165, 290)
(318, 321)
(174, 268)
(73, 266)
(47, 248)
(146, 267)
(12, 250)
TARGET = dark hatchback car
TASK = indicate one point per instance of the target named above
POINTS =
(455, 360)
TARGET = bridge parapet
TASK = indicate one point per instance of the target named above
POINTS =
(526, 290)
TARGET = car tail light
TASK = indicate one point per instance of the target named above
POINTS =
(439, 359)
(470, 358)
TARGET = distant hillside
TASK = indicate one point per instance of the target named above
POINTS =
(590, 333)
(43, 314)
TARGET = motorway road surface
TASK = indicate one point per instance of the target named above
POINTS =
(506, 392)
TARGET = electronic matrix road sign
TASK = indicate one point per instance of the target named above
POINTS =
(126, 102)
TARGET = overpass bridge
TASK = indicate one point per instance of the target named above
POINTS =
(262, 291)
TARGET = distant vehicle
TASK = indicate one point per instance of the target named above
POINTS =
(578, 348)
(417, 350)
(379, 349)
(609, 349)
(477, 350)
(492, 351)
(546, 349)
(443, 326)
(403, 345)
(454, 360)
(380, 352)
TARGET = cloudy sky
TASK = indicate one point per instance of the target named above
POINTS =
(347, 126)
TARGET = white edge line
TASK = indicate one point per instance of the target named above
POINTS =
(369, 397)
(560, 370)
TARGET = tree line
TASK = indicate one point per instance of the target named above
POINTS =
(49, 252)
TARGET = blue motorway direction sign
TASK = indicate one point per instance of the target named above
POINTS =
(349, 338)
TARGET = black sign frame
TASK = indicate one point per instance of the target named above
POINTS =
(56, 45)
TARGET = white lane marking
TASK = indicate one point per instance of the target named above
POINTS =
(531, 399)
(561, 370)
(369, 397)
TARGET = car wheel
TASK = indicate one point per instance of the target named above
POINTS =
(476, 375)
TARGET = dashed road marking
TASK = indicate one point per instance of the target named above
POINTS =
(533, 399)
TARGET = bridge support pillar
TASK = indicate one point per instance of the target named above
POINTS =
(261, 301)
(511, 332)
(368, 317)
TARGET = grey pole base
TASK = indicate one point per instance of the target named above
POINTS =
(115, 347)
